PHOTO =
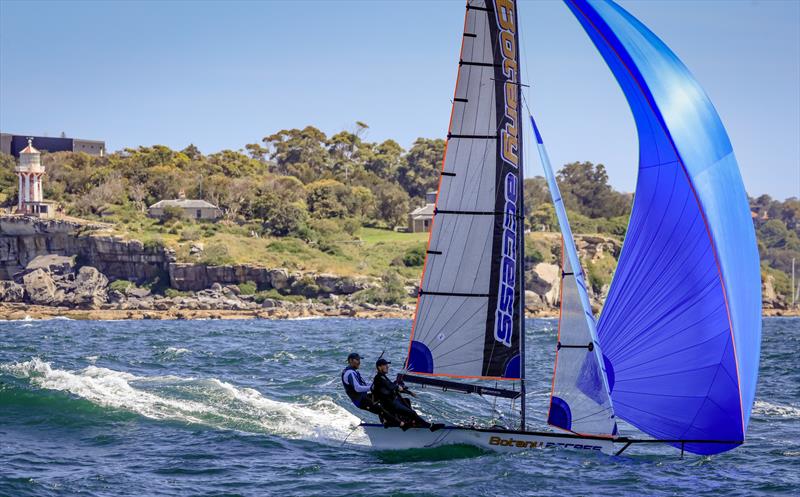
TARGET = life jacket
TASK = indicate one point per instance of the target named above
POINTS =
(356, 397)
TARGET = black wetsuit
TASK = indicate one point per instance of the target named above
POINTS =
(387, 394)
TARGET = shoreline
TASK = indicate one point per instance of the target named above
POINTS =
(19, 312)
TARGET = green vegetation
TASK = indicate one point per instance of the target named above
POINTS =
(310, 202)
(390, 291)
(248, 288)
(276, 295)
(121, 285)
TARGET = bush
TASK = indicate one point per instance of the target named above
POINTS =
(121, 285)
(216, 254)
(390, 292)
(351, 226)
(154, 245)
(306, 286)
(533, 256)
(328, 246)
(275, 295)
(171, 293)
(248, 288)
(190, 234)
(171, 213)
(414, 256)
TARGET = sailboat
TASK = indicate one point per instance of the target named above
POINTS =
(675, 351)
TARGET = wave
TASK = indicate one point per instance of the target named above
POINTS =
(208, 402)
(764, 408)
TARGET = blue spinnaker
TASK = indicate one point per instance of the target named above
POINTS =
(681, 326)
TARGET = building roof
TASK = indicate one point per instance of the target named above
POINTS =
(426, 211)
(184, 203)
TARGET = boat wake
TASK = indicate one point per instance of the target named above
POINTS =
(208, 402)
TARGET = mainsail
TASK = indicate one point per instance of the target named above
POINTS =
(579, 401)
(681, 326)
(468, 317)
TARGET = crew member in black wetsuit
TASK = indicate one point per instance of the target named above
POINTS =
(387, 395)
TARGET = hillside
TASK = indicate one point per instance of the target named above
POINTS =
(307, 202)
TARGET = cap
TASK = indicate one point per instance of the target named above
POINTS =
(381, 362)
(352, 356)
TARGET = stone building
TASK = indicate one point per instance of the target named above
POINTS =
(420, 219)
(192, 209)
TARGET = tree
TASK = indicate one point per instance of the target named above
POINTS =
(8, 180)
(384, 160)
(584, 187)
(299, 153)
(392, 205)
(328, 198)
(419, 173)
(279, 216)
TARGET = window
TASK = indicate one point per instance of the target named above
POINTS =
(198, 214)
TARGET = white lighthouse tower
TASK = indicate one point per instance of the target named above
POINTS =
(30, 172)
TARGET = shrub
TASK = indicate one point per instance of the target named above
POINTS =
(248, 288)
(171, 213)
(121, 285)
(414, 256)
(216, 254)
(190, 234)
(306, 286)
(328, 246)
(390, 292)
(171, 293)
(154, 245)
(275, 295)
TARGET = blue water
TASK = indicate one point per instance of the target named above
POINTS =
(148, 408)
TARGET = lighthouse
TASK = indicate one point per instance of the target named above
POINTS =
(30, 173)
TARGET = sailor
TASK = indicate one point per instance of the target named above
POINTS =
(354, 385)
(387, 395)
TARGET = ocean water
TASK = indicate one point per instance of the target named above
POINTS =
(212, 408)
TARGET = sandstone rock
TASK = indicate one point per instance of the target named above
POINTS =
(11, 291)
(279, 279)
(533, 300)
(270, 303)
(40, 287)
(544, 280)
(54, 264)
(216, 287)
(138, 292)
(90, 288)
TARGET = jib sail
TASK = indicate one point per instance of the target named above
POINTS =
(579, 400)
(468, 320)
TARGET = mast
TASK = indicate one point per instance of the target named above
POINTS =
(522, 363)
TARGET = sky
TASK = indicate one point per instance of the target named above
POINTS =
(221, 75)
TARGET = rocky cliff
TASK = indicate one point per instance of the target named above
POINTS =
(22, 239)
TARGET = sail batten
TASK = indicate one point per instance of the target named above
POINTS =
(467, 322)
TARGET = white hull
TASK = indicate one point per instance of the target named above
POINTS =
(499, 440)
